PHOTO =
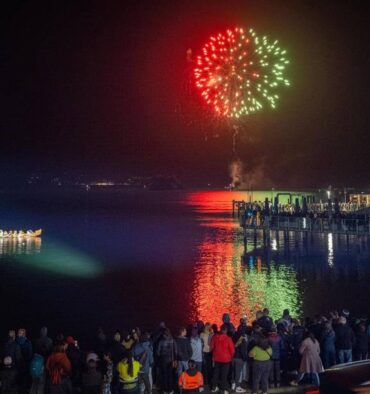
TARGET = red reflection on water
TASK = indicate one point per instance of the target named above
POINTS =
(215, 201)
(218, 278)
(218, 281)
(221, 283)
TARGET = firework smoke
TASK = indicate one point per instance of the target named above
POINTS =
(247, 179)
(236, 173)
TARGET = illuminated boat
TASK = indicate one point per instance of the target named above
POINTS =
(21, 234)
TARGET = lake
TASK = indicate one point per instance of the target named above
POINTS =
(116, 259)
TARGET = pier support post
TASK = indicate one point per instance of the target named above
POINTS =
(245, 240)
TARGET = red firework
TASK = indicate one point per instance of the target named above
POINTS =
(239, 71)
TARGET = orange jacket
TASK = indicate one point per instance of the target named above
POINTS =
(58, 365)
(190, 382)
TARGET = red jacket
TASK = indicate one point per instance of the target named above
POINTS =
(58, 365)
(223, 348)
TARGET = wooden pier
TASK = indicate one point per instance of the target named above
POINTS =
(265, 221)
(305, 224)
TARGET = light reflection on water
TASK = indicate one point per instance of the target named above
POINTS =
(170, 256)
(305, 273)
(55, 257)
(15, 246)
(330, 250)
(224, 281)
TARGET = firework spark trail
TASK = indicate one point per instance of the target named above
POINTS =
(238, 72)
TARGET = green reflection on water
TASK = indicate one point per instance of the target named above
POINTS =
(274, 286)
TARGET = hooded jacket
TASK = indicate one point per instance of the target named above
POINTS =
(58, 365)
(223, 348)
(143, 352)
(190, 380)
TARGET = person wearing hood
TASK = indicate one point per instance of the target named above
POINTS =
(223, 350)
(12, 349)
(230, 329)
(59, 371)
(44, 344)
(191, 380)
(8, 377)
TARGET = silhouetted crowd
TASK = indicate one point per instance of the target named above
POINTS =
(263, 354)
(259, 213)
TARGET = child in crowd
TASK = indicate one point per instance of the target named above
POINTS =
(191, 380)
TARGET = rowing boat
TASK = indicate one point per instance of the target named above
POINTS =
(20, 234)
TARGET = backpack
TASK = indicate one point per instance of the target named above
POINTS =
(37, 366)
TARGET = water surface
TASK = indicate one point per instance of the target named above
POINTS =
(116, 259)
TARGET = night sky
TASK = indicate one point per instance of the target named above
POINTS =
(103, 88)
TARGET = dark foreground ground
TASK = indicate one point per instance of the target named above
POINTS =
(301, 389)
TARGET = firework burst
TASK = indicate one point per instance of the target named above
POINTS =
(238, 72)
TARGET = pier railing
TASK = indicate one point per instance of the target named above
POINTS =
(306, 224)
(239, 206)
